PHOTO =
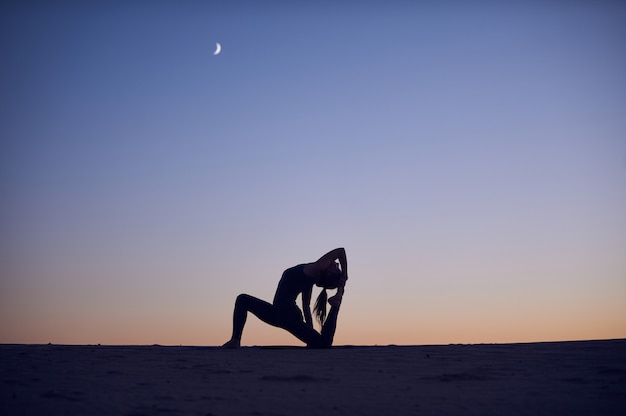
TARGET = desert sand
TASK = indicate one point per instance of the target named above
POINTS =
(565, 378)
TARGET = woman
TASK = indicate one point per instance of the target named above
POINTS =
(284, 313)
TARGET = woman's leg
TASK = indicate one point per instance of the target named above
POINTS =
(310, 336)
(328, 330)
(244, 304)
(267, 313)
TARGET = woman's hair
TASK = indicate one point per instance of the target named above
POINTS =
(320, 307)
(327, 282)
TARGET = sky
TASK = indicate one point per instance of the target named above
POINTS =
(470, 159)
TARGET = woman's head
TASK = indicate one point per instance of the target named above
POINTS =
(330, 278)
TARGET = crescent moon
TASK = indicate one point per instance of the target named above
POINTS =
(218, 49)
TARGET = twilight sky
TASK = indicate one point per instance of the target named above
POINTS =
(471, 160)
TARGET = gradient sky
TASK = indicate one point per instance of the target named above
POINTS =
(471, 160)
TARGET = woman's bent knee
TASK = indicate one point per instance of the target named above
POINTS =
(319, 345)
(243, 298)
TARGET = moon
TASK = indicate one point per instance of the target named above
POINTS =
(218, 49)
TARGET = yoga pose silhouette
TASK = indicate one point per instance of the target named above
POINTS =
(284, 313)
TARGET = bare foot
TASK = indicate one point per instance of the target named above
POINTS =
(232, 344)
(335, 300)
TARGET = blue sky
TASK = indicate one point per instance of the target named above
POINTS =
(472, 160)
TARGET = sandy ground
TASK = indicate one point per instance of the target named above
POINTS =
(568, 378)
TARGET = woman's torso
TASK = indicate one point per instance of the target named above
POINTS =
(293, 282)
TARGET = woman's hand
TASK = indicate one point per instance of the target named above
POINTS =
(342, 281)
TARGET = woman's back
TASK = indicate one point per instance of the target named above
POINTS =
(293, 282)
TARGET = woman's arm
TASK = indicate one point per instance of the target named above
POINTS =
(306, 306)
(327, 259)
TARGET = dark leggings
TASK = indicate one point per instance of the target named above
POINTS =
(289, 319)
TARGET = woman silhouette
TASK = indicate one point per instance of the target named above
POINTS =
(284, 313)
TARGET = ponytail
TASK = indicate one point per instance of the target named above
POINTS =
(320, 307)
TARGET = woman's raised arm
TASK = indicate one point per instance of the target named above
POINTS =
(327, 259)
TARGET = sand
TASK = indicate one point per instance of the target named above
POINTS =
(568, 378)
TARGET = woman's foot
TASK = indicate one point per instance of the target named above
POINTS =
(335, 300)
(233, 343)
